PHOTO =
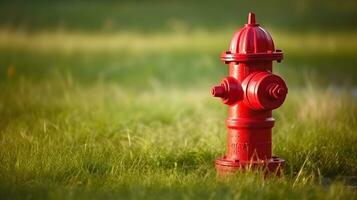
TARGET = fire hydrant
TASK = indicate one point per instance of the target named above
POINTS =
(251, 91)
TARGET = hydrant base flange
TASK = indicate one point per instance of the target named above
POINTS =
(274, 165)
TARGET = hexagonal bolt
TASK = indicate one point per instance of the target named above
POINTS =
(276, 91)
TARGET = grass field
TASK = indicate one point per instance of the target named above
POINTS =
(112, 100)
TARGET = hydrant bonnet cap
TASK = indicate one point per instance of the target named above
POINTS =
(251, 43)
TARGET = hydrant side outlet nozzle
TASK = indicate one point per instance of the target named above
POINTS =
(230, 91)
(251, 91)
(219, 91)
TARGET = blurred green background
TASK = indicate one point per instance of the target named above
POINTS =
(318, 38)
(107, 99)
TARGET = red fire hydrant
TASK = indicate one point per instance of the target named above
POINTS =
(251, 91)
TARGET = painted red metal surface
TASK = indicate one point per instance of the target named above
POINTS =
(251, 91)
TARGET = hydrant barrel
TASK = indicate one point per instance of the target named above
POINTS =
(251, 91)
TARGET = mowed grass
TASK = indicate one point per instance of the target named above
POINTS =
(124, 110)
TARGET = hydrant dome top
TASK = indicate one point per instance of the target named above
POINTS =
(252, 42)
(252, 39)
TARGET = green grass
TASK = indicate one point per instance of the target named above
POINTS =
(91, 113)
(66, 140)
